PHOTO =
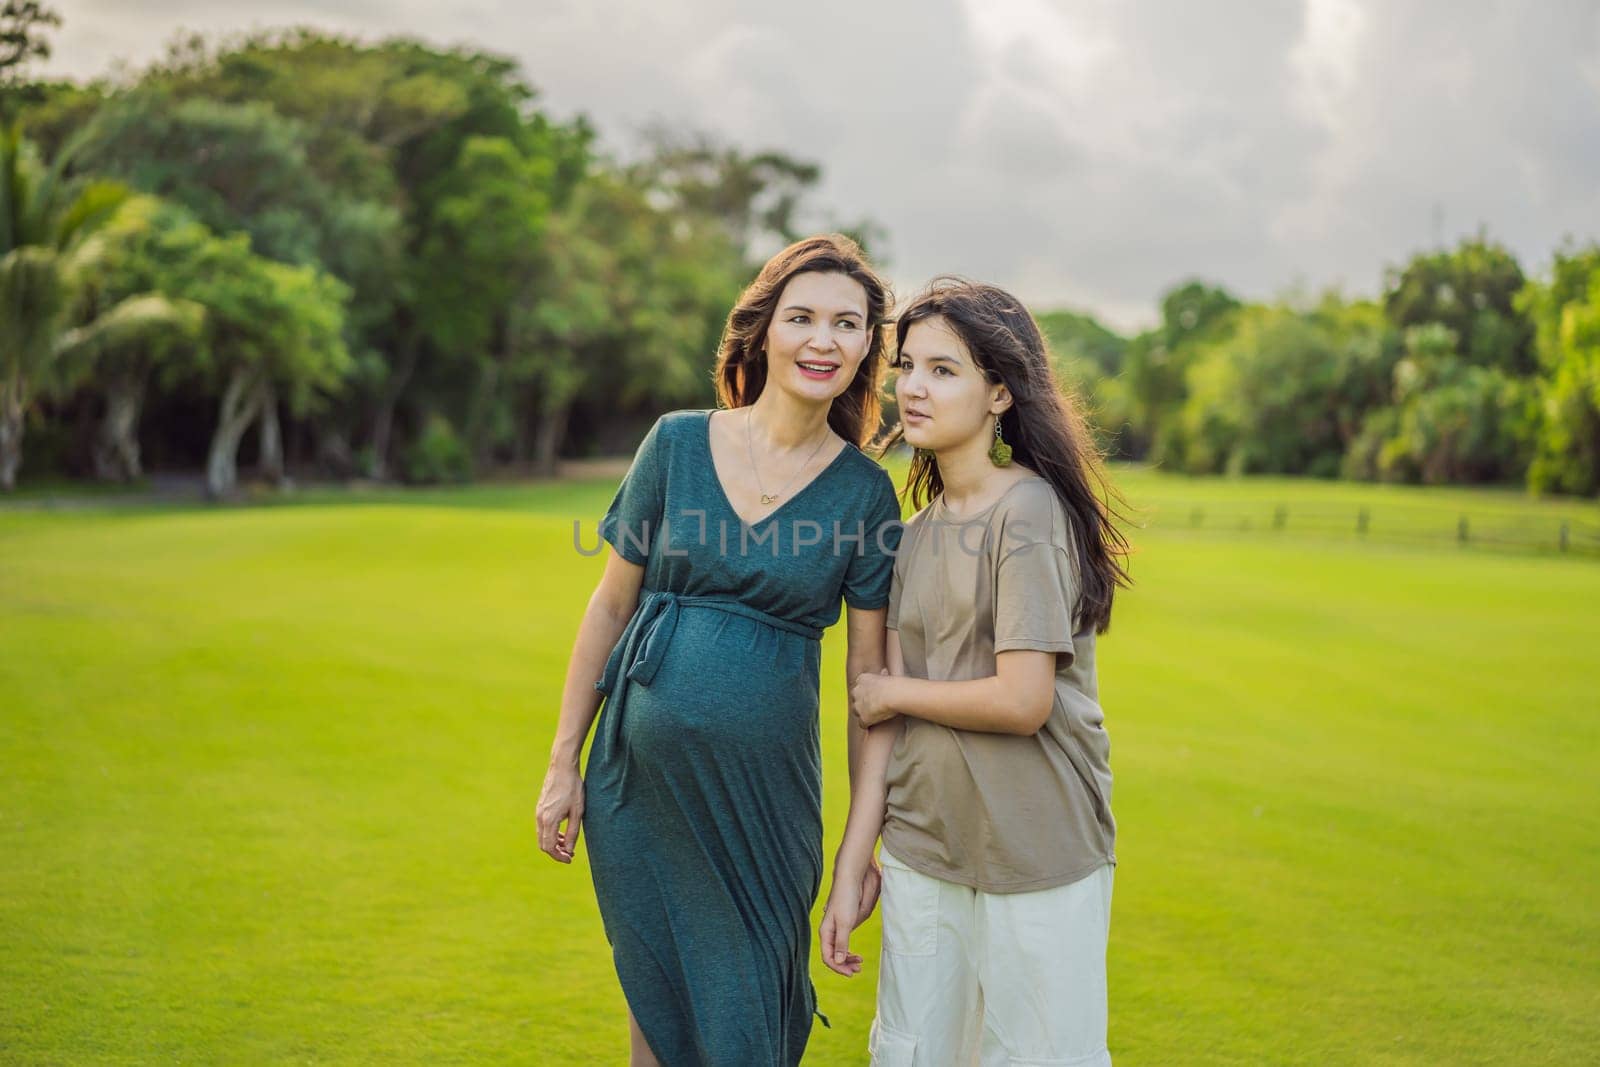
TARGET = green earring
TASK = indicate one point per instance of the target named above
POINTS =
(999, 452)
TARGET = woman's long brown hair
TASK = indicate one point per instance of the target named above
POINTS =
(741, 371)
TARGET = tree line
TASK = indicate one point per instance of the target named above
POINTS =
(365, 259)
(1464, 370)
(388, 260)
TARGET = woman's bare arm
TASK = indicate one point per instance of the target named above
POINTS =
(856, 879)
(561, 799)
(864, 654)
(869, 792)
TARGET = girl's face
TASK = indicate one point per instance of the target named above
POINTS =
(945, 401)
(818, 336)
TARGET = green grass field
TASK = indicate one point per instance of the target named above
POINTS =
(268, 781)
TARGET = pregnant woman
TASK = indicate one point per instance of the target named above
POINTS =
(734, 536)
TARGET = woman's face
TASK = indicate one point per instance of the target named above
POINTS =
(818, 336)
(944, 398)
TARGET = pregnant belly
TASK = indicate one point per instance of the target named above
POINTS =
(729, 687)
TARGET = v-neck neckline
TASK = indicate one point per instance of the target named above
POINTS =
(727, 501)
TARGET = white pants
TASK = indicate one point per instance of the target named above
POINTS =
(969, 977)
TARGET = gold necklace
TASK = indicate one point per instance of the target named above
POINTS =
(767, 498)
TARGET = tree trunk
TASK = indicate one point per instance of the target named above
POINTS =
(116, 449)
(10, 436)
(240, 402)
(552, 428)
(271, 436)
(522, 422)
(481, 412)
(12, 410)
(383, 421)
(480, 416)
(333, 451)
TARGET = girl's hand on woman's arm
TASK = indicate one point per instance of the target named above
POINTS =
(1016, 699)
(559, 815)
(869, 696)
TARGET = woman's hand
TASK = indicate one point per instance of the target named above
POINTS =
(560, 801)
(850, 902)
(844, 904)
(868, 694)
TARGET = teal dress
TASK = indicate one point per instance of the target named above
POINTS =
(703, 789)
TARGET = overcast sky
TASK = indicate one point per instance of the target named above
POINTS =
(1084, 153)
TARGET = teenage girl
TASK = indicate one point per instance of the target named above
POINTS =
(986, 766)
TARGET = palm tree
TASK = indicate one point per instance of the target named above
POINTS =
(47, 224)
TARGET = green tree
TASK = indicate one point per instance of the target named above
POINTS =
(47, 248)
(1472, 290)
(1089, 358)
(236, 167)
(273, 332)
(241, 165)
(22, 26)
(390, 123)
(624, 309)
(1156, 363)
(149, 246)
(756, 198)
(495, 127)
(1453, 420)
(1565, 312)
(1076, 338)
(505, 291)
(52, 114)
(488, 222)
(561, 332)
(1285, 390)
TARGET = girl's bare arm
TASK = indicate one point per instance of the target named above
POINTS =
(1016, 699)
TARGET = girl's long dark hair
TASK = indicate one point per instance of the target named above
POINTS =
(1044, 427)
(742, 366)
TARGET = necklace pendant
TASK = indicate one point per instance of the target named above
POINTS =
(765, 499)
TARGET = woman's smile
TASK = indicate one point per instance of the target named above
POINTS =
(818, 370)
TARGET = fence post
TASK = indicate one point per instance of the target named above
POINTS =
(1564, 535)
(1461, 530)
(1361, 522)
(1279, 517)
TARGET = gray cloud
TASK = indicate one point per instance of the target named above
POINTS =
(1082, 152)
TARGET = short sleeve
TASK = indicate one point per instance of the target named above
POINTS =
(1036, 592)
(868, 578)
(631, 522)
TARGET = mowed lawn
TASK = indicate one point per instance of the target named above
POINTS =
(267, 780)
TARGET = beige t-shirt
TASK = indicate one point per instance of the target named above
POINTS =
(998, 812)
